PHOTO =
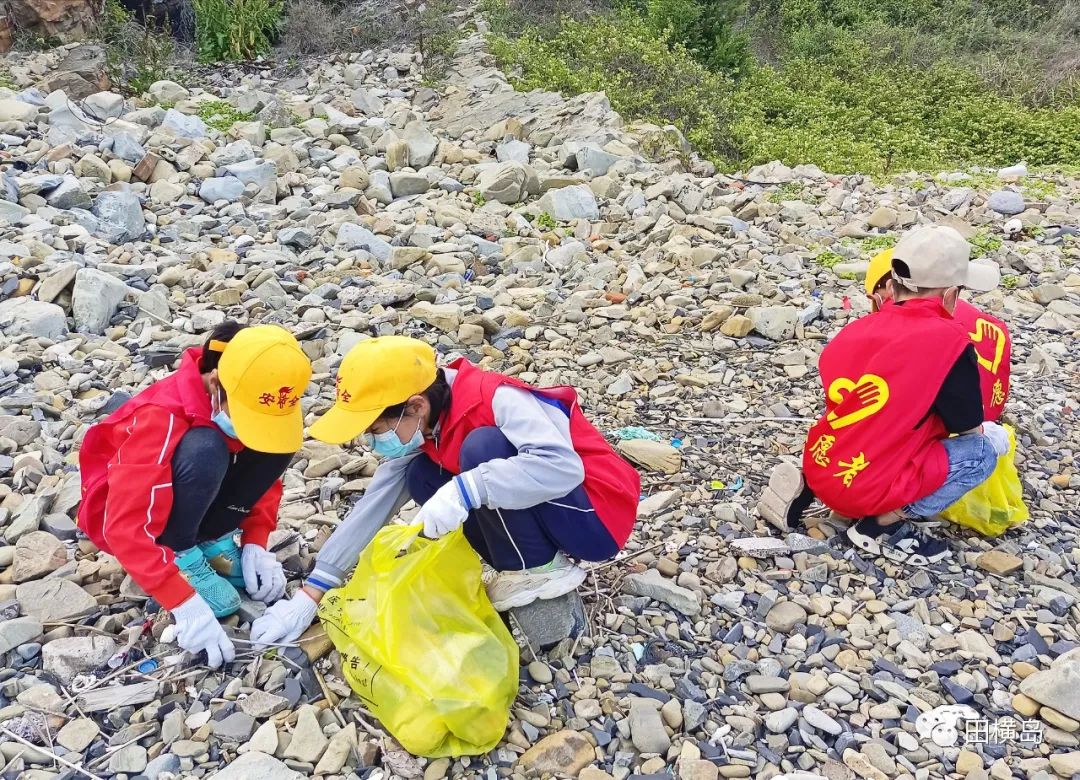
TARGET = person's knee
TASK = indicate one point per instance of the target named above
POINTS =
(482, 445)
(986, 461)
(201, 456)
(422, 479)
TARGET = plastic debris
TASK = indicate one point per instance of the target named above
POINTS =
(635, 432)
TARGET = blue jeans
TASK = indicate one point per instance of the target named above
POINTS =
(516, 539)
(972, 459)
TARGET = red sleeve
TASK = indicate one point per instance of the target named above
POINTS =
(262, 519)
(138, 503)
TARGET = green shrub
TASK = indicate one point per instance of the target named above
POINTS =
(707, 28)
(847, 85)
(546, 222)
(235, 29)
(135, 55)
(646, 77)
(847, 117)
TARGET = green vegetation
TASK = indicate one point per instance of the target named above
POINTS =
(235, 29)
(646, 76)
(791, 191)
(136, 55)
(983, 243)
(478, 199)
(829, 259)
(849, 85)
(222, 115)
(1039, 189)
(546, 222)
(1009, 282)
(6, 80)
(877, 244)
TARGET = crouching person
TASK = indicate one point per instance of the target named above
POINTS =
(531, 481)
(171, 476)
(903, 436)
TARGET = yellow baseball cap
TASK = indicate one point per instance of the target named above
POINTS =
(880, 267)
(264, 372)
(376, 374)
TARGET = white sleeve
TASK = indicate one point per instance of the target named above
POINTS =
(385, 495)
(546, 466)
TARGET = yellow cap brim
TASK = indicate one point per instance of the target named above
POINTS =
(880, 266)
(340, 425)
(268, 433)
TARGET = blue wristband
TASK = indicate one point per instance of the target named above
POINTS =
(464, 493)
(318, 584)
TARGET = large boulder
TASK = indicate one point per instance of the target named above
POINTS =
(95, 299)
(422, 144)
(567, 203)
(81, 73)
(120, 216)
(65, 20)
(508, 182)
(23, 316)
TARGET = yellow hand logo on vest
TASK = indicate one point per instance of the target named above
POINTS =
(861, 399)
(986, 331)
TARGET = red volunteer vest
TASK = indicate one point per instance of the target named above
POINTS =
(877, 447)
(612, 484)
(993, 345)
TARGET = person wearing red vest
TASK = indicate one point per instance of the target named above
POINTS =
(520, 469)
(170, 476)
(898, 382)
(786, 497)
(989, 335)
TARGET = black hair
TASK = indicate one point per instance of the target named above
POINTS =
(223, 332)
(437, 394)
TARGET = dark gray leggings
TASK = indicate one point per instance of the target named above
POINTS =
(214, 489)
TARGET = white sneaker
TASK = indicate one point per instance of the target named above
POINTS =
(517, 588)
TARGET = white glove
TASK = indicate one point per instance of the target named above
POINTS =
(285, 621)
(443, 512)
(264, 578)
(998, 436)
(197, 629)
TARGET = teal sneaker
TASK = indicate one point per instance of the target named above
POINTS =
(223, 555)
(215, 589)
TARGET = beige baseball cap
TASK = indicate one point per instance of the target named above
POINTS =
(939, 256)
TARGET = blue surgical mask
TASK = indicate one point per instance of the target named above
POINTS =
(222, 420)
(388, 445)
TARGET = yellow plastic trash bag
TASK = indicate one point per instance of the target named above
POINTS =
(421, 644)
(997, 504)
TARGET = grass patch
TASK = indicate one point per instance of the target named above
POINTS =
(222, 115)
